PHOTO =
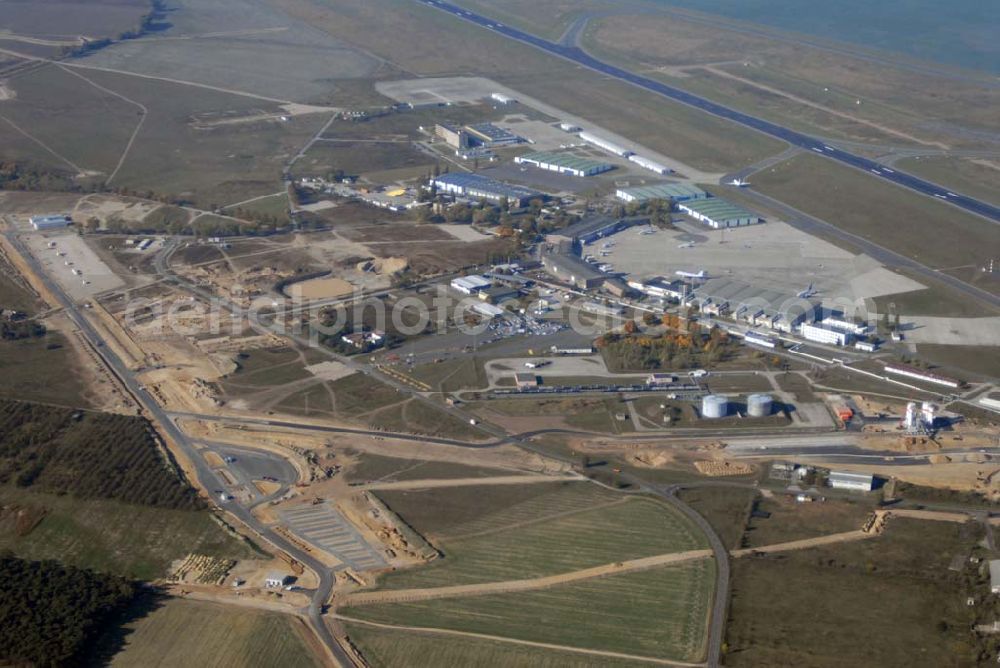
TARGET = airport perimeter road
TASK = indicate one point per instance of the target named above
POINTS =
(577, 55)
(205, 476)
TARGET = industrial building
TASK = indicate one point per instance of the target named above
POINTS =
(651, 165)
(487, 134)
(820, 333)
(858, 482)
(477, 186)
(661, 288)
(498, 294)
(675, 192)
(489, 310)
(866, 346)
(589, 230)
(718, 213)
(563, 163)
(502, 99)
(453, 135)
(49, 222)
(920, 374)
(756, 306)
(470, 285)
(275, 580)
(568, 267)
(600, 308)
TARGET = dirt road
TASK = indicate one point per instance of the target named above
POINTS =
(805, 543)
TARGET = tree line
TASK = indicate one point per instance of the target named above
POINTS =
(52, 615)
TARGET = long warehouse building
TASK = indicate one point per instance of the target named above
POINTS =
(477, 186)
(718, 213)
(677, 192)
(564, 163)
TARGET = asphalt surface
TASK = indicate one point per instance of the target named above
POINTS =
(577, 55)
(206, 477)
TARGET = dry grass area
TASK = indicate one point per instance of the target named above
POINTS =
(810, 79)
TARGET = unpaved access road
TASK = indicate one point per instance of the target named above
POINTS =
(471, 482)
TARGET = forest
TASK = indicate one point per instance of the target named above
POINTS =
(51, 615)
(88, 455)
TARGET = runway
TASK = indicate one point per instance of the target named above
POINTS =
(794, 138)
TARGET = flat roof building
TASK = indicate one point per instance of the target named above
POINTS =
(488, 134)
(564, 163)
(819, 333)
(995, 576)
(661, 287)
(676, 192)
(452, 135)
(477, 186)
(593, 228)
(567, 267)
(718, 213)
(920, 374)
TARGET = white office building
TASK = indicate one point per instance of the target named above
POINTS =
(821, 334)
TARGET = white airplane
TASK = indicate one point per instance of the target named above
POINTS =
(648, 230)
(808, 292)
(690, 274)
(689, 244)
(739, 183)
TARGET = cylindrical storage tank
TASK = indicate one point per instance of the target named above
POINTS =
(759, 405)
(714, 406)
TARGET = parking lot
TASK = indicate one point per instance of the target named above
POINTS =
(323, 526)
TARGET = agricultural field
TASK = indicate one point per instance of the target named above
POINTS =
(860, 205)
(895, 593)
(580, 527)
(27, 367)
(377, 468)
(659, 613)
(388, 648)
(109, 536)
(189, 633)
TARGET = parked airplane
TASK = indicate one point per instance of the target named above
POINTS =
(739, 183)
(648, 230)
(689, 244)
(690, 274)
(808, 292)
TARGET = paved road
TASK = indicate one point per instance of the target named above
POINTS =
(577, 55)
(206, 478)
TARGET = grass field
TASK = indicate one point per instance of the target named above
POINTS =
(426, 42)
(384, 648)
(661, 613)
(416, 417)
(890, 602)
(970, 176)
(28, 366)
(791, 520)
(131, 540)
(197, 633)
(360, 158)
(971, 361)
(464, 373)
(858, 204)
(564, 530)
(266, 367)
(726, 509)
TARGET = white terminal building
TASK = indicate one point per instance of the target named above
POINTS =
(823, 334)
